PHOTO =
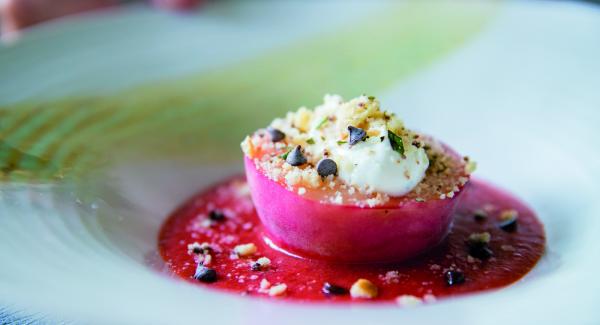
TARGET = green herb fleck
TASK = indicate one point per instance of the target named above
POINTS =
(371, 98)
(310, 141)
(322, 122)
(284, 156)
(396, 142)
(341, 142)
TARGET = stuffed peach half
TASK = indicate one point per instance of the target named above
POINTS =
(347, 182)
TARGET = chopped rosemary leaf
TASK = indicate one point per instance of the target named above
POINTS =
(342, 142)
(310, 141)
(322, 122)
(396, 142)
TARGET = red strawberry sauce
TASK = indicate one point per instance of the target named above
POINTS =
(514, 253)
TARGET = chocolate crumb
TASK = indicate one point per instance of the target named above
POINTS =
(333, 290)
(205, 274)
(216, 215)
(454, 277)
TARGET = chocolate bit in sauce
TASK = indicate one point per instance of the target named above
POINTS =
(205, 274)
(216, 215)
(454, 277)
(509, 225)
(480, 215)
(333, 290)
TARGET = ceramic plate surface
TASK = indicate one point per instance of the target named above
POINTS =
(108, 121)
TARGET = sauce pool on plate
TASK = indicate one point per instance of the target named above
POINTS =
(216, 240)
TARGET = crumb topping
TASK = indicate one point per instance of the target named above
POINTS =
(355, 153)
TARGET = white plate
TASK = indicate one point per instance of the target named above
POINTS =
(517, 90)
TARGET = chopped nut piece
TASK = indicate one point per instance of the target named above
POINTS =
(478, 238)
(363, 288)
(245, 249)
(265, 284)
(408, 301)
(277, 290)
(508, 214)
(262, 263)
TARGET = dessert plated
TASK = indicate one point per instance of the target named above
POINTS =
(348, 182)
(344, 203)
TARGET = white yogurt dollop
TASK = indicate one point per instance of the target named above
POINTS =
(374, 166)
(371, 165)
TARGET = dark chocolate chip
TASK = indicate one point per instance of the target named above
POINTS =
(333, 290)
(296, 157)
(454, 277)
(276, 135)
(509, 225)
(215, 215)
(356, 135)
(205, 274)
(327, 167)
(480, 215)
(481, 252)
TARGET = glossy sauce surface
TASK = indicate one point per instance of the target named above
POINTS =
(514, 253)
